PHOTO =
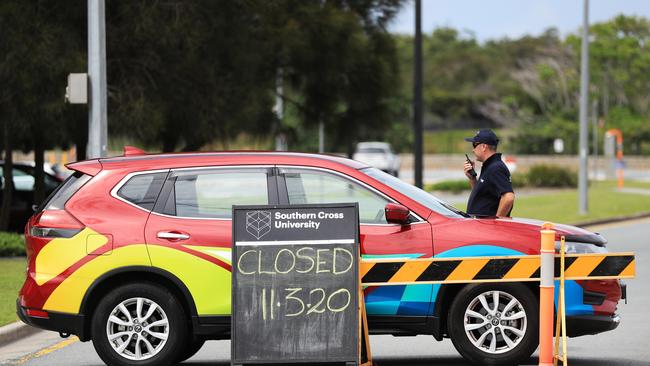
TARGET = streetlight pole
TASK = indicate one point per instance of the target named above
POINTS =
(417, 96)
(584, 105)
(97, 115)
(594, 132)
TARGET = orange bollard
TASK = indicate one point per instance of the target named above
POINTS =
(546, 295)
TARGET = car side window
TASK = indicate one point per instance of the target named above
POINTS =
(143, 189)
(211, 194)
(313, 187)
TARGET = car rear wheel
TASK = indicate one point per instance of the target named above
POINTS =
(494, 324)
(139, 324)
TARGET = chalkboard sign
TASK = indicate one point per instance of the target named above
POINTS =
(295, 295)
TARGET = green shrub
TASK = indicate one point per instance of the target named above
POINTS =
(454, 186)
(551, 176)
(519, 180)
(11, 245)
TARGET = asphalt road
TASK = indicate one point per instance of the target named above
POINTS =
(627, 345)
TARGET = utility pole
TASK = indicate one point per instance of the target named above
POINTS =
(97, 115)
(417, 96)
(584, 105)
(594, 129)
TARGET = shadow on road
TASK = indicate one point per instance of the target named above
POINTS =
(454, 361)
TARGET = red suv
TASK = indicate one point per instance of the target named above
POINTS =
(134, 253)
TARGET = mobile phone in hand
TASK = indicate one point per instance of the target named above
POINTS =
(472, 172)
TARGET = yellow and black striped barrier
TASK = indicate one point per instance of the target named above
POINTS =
(386, 272)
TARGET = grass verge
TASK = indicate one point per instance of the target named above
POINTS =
(562, 207)
(13, 275)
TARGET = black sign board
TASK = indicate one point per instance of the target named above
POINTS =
(295, 294)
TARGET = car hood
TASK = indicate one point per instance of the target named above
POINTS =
(570, 233)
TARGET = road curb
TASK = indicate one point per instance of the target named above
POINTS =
(15, 331)
(612, 220)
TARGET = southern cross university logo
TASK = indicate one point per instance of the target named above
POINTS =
(258, 223)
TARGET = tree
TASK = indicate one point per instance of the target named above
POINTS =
(182, 74)
(41, 44)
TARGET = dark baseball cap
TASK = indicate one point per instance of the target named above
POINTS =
(486, 136)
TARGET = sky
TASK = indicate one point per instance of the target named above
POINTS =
(495, 19)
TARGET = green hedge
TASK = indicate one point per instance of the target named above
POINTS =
(519, 180)
(11, 245)
(551, 176)
(539, 176)
(454, 186)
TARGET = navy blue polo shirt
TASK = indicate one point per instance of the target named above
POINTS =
(493, 182)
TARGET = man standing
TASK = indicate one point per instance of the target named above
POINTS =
(492, 193)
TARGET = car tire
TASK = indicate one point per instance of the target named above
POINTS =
(484, 334)
(191, 349)
(146, 325)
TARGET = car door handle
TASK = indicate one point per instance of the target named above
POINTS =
(172, 235)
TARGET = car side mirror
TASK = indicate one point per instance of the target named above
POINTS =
(397, 214)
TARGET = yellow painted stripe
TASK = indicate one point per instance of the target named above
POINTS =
(583, 266)
(364, 267)
(409, 272)
(629, 270)
(61, 253)
(524, 268)
(467, 269)
(47, 350)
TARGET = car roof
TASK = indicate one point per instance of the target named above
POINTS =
(23, 165)
(197, 159)
(27, 164)
(373, 144)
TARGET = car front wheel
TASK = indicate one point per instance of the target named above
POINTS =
(494, 324)
(191, 348)
(139, 324)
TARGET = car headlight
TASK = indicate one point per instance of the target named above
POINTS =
(579, 248)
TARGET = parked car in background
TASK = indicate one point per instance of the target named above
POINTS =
(134, 253)
(54, 170)
(23, 197)
(379, 155)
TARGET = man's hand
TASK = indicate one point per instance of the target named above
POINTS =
(469, 165)
(505, 204)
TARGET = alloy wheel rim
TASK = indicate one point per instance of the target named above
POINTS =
(137, 328)
(495, 322)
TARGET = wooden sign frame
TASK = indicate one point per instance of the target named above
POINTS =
(361, 348)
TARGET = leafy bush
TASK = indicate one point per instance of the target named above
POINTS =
(454, 186)
(548, 176)
(519, 180)
(551, 176)
(11, 245)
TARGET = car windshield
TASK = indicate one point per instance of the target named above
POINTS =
(415, 193)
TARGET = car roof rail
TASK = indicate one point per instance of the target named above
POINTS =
(133, 151)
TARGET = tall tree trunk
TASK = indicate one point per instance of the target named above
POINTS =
(39, 175)
(349, 146)
(8, 190)
(81, 150)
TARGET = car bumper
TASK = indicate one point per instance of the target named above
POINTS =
(57, 322)
(591, 324)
